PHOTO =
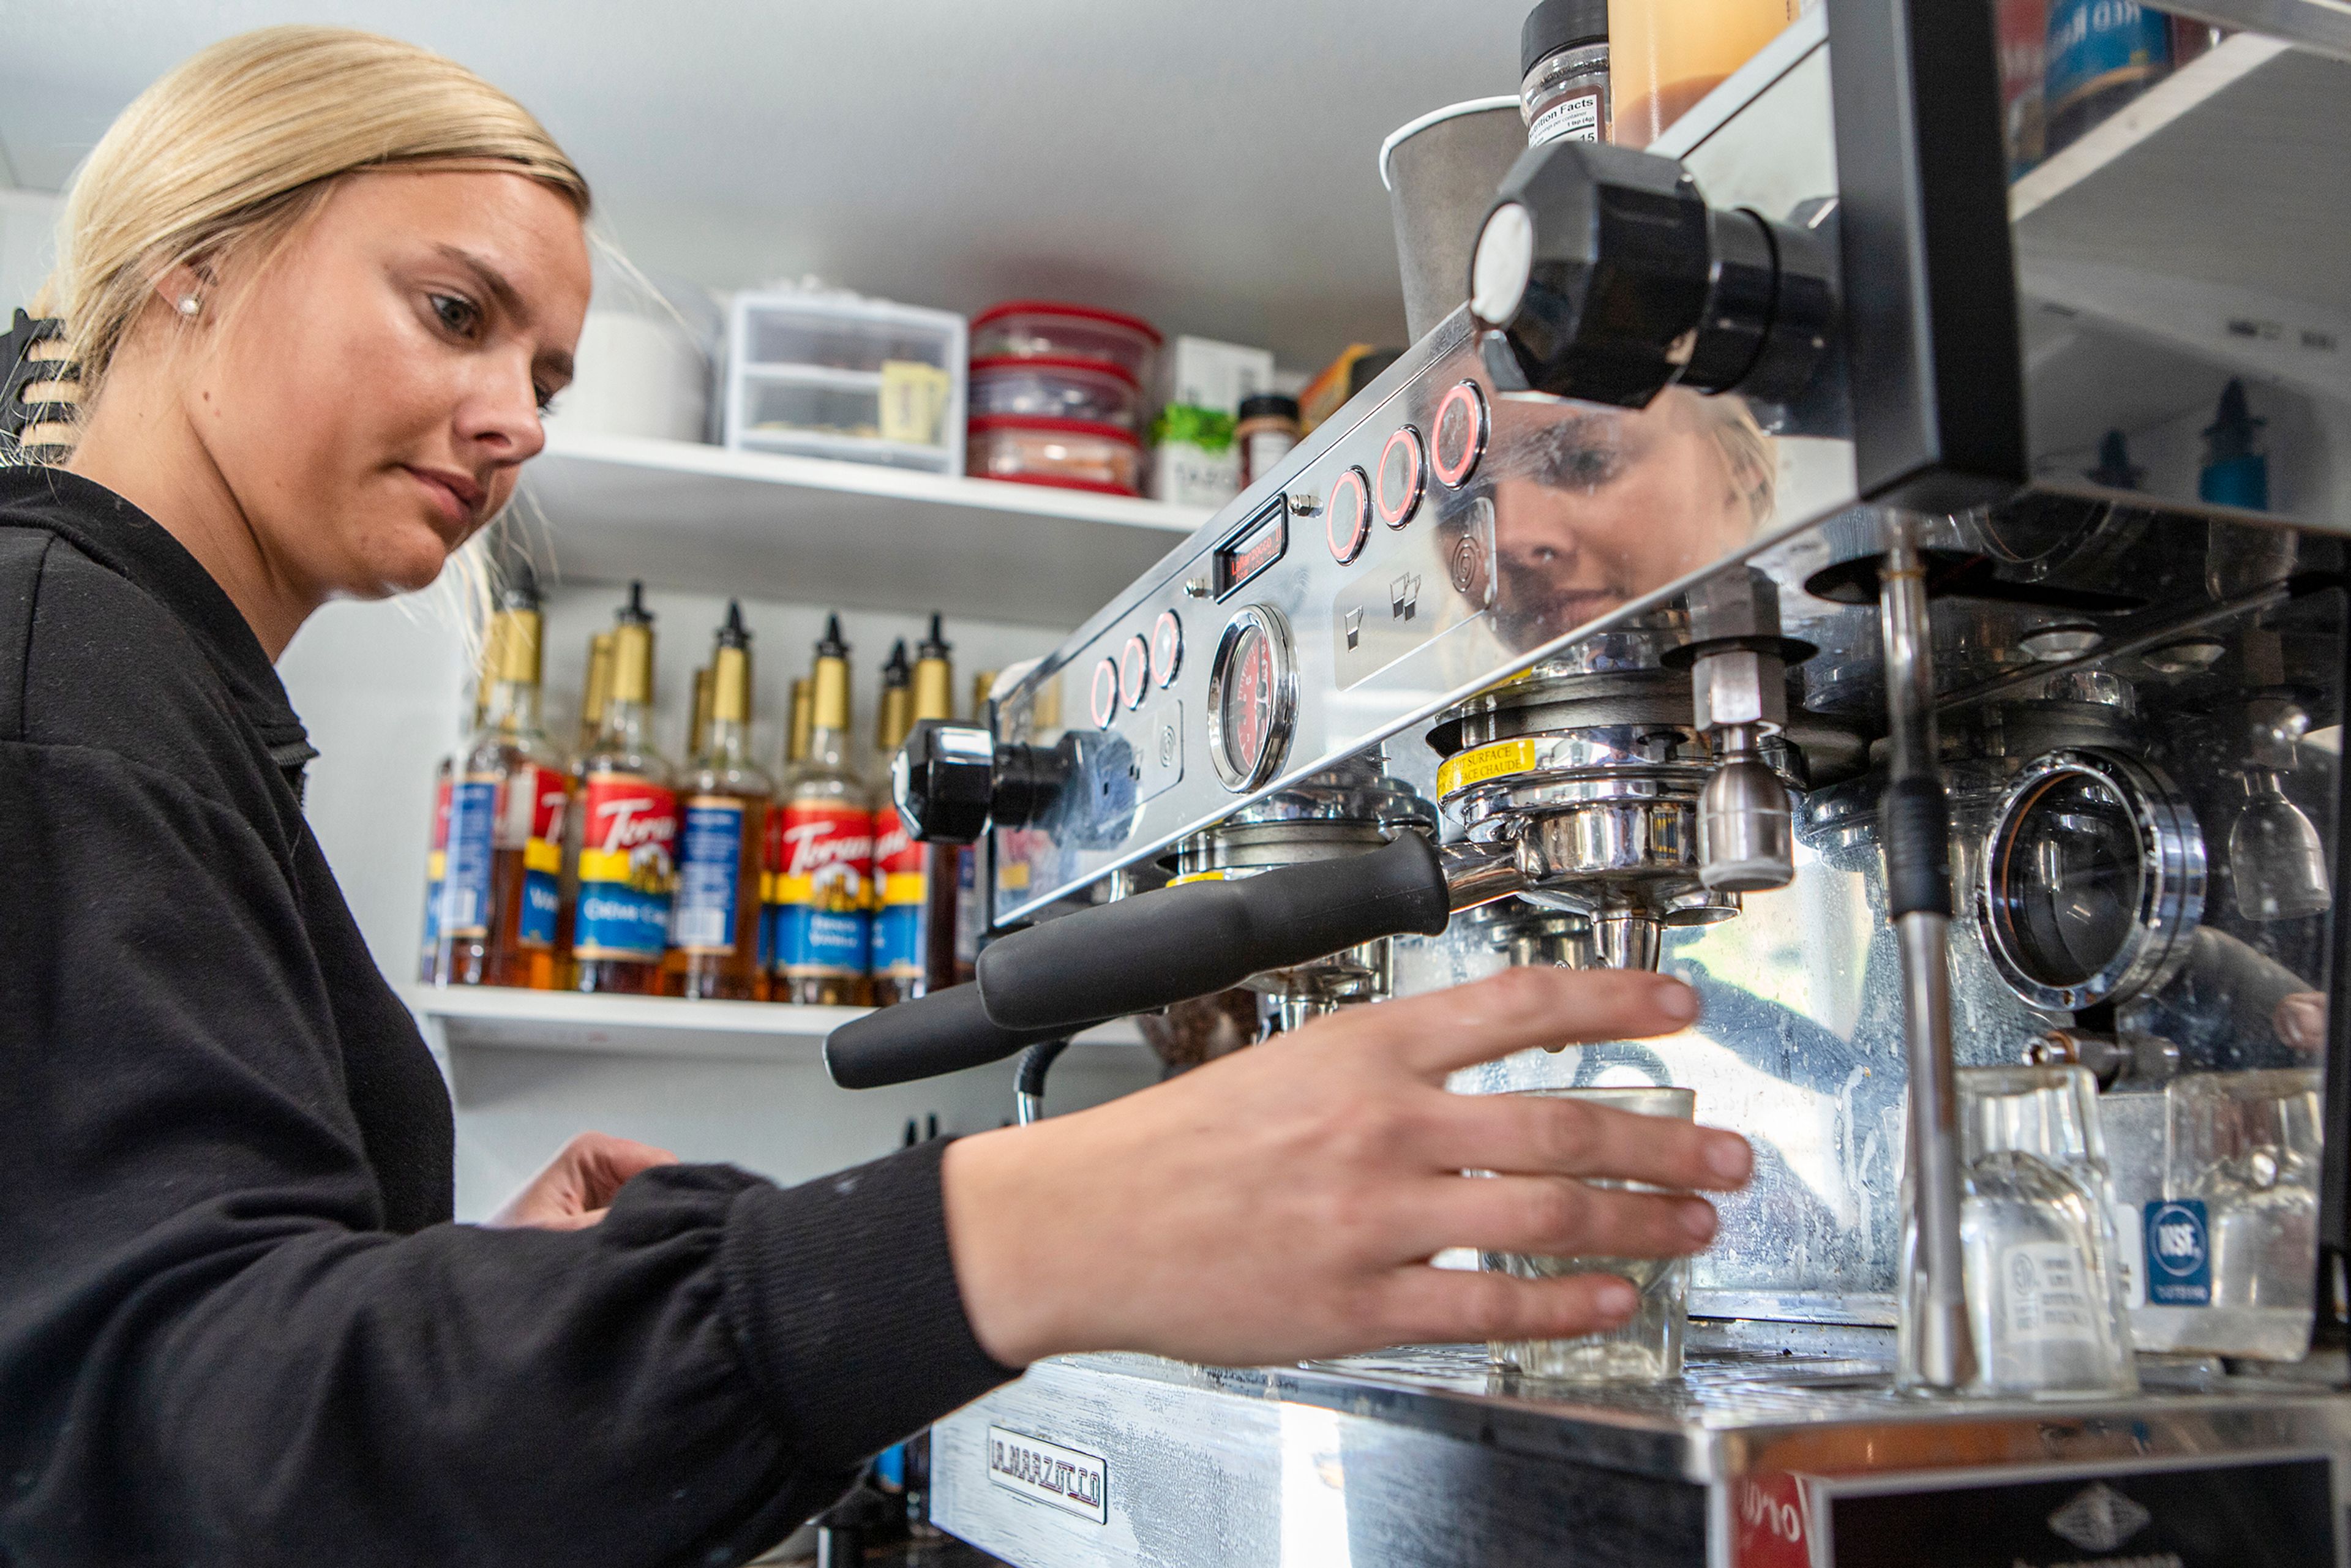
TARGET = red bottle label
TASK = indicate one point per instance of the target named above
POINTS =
(441, 812)
(827, 854)
(895, 852)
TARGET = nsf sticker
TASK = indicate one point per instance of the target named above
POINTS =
(1046, 1472)
(2178, 1254)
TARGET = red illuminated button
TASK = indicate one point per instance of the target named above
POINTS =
(1134, 670)
(1403, 475)
(1460, 438)
(1347, 516)
(1105, 693)
(1166, 648)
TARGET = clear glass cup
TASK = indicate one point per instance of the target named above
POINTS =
(2044, 1299)
(1648, 1347)
(2241, 1161)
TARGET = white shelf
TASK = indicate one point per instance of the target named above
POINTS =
(2253, 272)
(815, 376)
(468, 1015)
(763, 525)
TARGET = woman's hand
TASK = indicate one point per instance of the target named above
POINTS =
(579, 1183)
(2300, 1021)
(1284, 1202)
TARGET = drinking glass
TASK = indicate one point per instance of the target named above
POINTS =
(1648, 1347)
(2241, 1191)
(2036, 1229)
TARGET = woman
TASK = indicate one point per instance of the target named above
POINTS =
(319, 285)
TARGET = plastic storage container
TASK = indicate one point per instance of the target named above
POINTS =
(835, 375)
(1044, 328)
(1045, 388)
(1073, 454)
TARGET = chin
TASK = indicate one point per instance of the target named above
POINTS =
(409, 560)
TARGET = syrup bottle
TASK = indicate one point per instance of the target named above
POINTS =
(726, 803)
(824, 851)
(902, 868)
(444, 784)
(624, 856)
(506, 804)
(593, 689)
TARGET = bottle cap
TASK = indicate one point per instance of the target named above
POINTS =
(1269, 406)
(1556, 25)
(933, 646)
(831, 646)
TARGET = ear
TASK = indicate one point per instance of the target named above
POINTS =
(177, 285)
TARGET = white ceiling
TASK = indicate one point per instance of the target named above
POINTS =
(1209, 164)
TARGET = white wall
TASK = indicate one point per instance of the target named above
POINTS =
(27, 224)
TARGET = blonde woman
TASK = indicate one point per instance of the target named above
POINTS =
(319, 286)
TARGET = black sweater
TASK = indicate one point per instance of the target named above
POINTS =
(236, 1325)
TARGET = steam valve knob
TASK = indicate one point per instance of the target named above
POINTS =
(942, 781)
(1601, 274)
(952, 781)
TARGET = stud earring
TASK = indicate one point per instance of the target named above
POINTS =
(190, 305)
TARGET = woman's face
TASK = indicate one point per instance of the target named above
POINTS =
(1604, 506)
(370, 393)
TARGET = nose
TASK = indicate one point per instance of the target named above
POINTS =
(499, 418)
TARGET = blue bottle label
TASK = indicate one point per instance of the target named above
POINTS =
(820, 941)
(2098, 44)
(709, 875)
(465, 904)
(627, 869)
(898, 940)
(2179, 1253)
(539, 901)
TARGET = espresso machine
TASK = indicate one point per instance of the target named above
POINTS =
(1815, 565)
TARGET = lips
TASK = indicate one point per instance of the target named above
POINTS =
(458, 497)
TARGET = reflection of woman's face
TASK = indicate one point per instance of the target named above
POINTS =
(1602, 505)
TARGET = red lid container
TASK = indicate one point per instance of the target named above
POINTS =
(1045, 329)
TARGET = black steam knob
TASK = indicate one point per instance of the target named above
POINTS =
(1601, 273)
(951, 781)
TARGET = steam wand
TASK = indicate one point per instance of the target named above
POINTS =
(1938, 1348)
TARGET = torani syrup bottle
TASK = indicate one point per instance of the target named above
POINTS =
(825, 850)
(625, 856)
(796, 739)
(506, 809)
(901, 866)
(891, 713)
(594, 686)
(716, 928)
(445, 781)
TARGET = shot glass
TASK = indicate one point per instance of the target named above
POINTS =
(1648, 1347)
(2043, 1296)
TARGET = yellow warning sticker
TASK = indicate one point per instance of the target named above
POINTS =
(1486, 762)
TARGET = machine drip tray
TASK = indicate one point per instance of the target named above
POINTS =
(1431, 1456)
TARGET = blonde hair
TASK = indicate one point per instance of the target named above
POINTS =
(226, 154)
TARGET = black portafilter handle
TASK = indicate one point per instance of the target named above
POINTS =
(1145, 952)
(1141, 953)
(942, 1033)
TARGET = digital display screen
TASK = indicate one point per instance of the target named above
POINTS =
(1255, 547)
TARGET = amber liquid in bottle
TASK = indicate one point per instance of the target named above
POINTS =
(594, 689)
(823, 883)
(725, 807)
(624, 858)
(1666, 55)
(903, 869)
(509, 793)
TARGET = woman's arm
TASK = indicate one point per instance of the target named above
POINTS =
(211, 1349)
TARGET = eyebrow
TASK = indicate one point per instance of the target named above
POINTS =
(509, 299)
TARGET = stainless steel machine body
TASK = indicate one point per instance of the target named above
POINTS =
(1490, 601)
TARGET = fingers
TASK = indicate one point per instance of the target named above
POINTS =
(2300, 1021)
(1536, 1133)
(602, 1163)
(1438, 1031)
(1552, 1216)
(1425, 1305)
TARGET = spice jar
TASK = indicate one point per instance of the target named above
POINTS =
(1266, 431)
(1563, 64)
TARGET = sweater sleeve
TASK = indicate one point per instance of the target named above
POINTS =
(210, 1349)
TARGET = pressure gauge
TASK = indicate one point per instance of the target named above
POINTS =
(1253, 698)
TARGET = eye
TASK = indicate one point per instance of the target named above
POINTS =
(546, 396)
(457, 314)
